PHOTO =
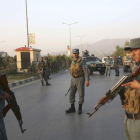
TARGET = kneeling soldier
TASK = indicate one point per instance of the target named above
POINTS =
(79, 72)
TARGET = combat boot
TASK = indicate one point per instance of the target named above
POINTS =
(71, 109)
(80, 109)
(42, 83)
(47, 84)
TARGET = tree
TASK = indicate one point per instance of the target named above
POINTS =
(119, 51)
(127, 43)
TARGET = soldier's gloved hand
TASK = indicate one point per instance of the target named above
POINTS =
(134, 84)
(87, 83)
(6, 96)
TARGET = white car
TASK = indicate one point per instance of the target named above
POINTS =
(112, 61)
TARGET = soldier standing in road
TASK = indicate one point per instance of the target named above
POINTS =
(3, 96)
(79, 73)
(116, 66)
(48, 66)
(131, 103)
(108, 65)
(42, 72)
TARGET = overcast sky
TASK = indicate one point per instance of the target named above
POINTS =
(100, 19)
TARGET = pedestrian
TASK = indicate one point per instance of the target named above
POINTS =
(3, 97)
(132, 97)
(116, 66)
(42, 72)
(79, 73)
(108, 65)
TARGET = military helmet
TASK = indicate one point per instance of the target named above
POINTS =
(75, 51)
(134, 44)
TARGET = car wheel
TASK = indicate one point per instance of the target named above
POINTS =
(102, 72)
(125, 69)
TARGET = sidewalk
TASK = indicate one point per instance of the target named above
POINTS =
(17, 83)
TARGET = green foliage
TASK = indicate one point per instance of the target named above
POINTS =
(119, 51)
(9, 71)
(59, 62)
(55, 58)
(31, 68)
(127, 43)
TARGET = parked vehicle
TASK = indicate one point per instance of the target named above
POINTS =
(94, 64)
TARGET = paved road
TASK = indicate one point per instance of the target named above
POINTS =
(43, 111)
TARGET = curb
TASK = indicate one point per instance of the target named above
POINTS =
(21, 82)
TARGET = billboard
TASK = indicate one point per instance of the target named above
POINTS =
(32, 38)
(68, 49)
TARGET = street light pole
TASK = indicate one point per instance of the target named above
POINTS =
(70, 33)
(27, 24)
(81, 42)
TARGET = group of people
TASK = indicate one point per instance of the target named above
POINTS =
(131, 103)
(79, 73)
(108, 64)
(43, 68)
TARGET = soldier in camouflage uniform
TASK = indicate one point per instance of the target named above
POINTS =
(42, 72)
(3, 96)
(79, 73)
(132, 97)
(108, 65)
(116, 66)
(47, 67)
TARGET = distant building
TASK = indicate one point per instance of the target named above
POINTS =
(3, 54)
(26, 56)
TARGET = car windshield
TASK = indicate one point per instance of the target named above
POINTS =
(109, 58)
(92, 59)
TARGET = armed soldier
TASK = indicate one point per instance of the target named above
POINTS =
(131, 103)
(108, 65)
(48, 66)
(42, 72)
(116, 66)
(79, 73)
(3, 97)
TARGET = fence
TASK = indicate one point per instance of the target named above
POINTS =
(29, 68)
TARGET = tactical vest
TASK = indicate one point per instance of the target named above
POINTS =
(77, 69)
(132, 101)
(42, 65)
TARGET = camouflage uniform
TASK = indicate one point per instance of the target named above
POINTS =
(116, 66)
(108, 67)
(78, 83)
(2, 126)
(79, 73)
(42, 72)
(132, 125)
(47, 67)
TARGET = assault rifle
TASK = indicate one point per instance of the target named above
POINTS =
(117, 89)
(12, 104)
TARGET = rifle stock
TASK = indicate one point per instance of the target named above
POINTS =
(111, 94)
(6, 109)
(12, 104)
